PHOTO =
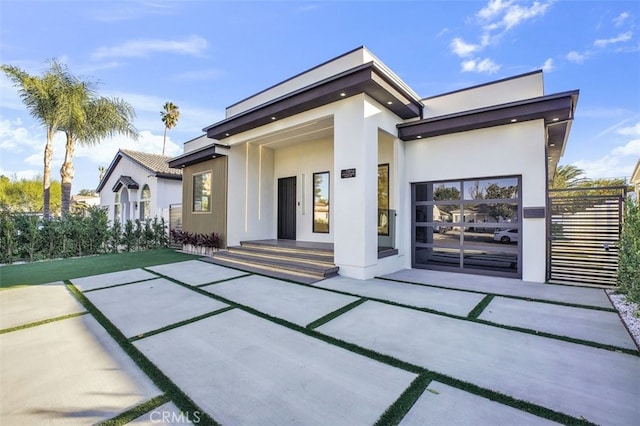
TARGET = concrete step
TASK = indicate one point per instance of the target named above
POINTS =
(304, 264)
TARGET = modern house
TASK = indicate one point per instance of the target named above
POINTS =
(139, 185)
(348, 156)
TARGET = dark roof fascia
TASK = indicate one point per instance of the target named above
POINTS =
(477, 86)
(168, 176)
(367, 78)
(205, 153)
(122, 181)
(559, 105)
(109, 171)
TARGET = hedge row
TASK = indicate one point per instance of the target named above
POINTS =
(30, 238)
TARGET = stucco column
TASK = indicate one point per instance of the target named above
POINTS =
(354, 200)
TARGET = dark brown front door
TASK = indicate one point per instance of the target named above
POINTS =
(287, 208)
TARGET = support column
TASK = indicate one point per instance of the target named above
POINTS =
(355, 199)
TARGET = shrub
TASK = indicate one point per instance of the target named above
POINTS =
(629, 262)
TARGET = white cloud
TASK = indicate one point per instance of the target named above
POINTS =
(462, 48)
(630, 148)
(509, 14)
(621, 38)
(548, 65)
(492, 9)
(621, 160)
(486, 66)
(20, 174)
(619, 20)
(576, 57)
(194, 45)
(629, 131)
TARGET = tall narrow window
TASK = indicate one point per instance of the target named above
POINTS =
(202, 192)
(321, 202)
(116, 207)
(145, 203)
(383, 199)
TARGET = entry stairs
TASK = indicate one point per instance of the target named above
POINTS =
(294, 260)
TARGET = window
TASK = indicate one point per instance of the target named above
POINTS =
(383, 199)
(145, 203)
(321, 202)
(116, 207)
(202, 192)
(468, 224)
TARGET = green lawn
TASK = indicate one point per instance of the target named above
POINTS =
(64, 269)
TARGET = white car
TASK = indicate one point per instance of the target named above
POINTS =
(506, 236)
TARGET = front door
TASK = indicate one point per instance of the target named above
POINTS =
(287, 208)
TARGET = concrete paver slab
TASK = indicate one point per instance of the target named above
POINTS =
(167, 415)
(68, 372)
(25, 305)
(443, 300)
(445, 405)
(295, 303)
(506, 286)
(243, 370)
(149, 305)
(196, 272)
(580, 323)
(601, 385)
(111, 279)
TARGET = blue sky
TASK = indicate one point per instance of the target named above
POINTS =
(206, 55)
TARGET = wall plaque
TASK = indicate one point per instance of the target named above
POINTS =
(347, 173)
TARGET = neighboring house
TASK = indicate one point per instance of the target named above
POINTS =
(139, 185)
(635, 181)
(80, 203)
(347, 153)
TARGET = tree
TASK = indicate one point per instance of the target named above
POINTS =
(25, 195)
(170, 114)
(87, 119)
(568, 176)
(87, 193)
(41, 96)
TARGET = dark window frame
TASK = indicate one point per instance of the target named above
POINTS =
(318, 226)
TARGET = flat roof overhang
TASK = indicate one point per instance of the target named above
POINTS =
(368, 78)
(199, 155)
(556, 110)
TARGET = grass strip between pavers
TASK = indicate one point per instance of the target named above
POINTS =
(489, 323)
(47, 271)
(408, 397)
(403, 404)
(182, 401)
(179, 324)
(220, 281)
(335, 314)
(477, 310)
(528, 299)
(135, 412)
(41, 322)
(116, 285)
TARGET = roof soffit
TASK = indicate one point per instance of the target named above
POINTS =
(368, 78)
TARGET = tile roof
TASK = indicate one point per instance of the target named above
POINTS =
(154, 162)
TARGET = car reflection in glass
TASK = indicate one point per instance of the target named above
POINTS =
(506, 236)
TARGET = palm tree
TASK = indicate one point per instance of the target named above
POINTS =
(87, 120)
(41, 96)
(568, 176)
(170, 114)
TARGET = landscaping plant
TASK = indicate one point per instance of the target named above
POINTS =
(629, 262)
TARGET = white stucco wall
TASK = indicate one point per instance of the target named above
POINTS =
(515, 149)
(163, 191)
(250, 202)
(500, 92)
(303, 160)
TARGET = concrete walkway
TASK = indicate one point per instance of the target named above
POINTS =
(262, 366)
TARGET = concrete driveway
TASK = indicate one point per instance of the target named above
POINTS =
(414, 347)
